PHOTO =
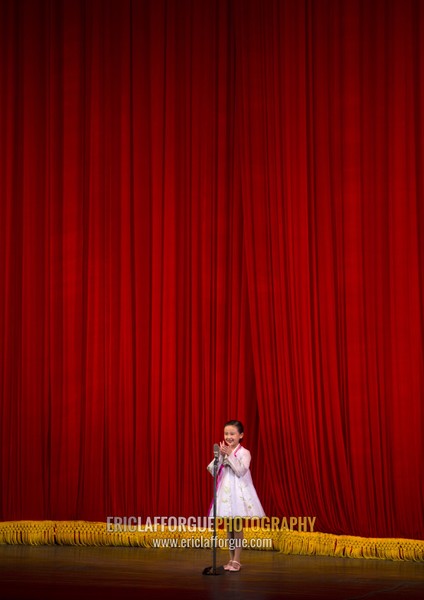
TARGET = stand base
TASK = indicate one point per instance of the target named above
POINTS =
(212, 571)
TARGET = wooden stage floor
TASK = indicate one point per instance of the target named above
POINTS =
(65, 572)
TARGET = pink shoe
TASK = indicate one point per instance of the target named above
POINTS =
(235, 566)
(227, 567)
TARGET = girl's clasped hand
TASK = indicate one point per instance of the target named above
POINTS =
(224, 449)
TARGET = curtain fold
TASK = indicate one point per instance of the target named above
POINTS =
(212, 210)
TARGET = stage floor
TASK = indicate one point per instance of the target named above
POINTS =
(65, 572)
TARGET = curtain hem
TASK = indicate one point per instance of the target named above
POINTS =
(88, 533)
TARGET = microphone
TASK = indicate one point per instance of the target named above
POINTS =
(216, 451)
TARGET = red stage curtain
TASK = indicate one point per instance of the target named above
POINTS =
(331, 139)
(212, 210)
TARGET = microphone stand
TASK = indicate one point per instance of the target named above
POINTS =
(213, 570)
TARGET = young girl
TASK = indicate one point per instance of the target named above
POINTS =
(236, 495)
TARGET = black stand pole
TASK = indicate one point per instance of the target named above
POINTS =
(213, 570)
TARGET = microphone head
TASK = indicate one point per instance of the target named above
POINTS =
(216, 450)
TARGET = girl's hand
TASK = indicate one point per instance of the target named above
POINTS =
(225, 450)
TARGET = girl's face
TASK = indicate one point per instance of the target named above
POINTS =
(232, 436)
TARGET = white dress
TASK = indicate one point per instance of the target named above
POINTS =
(236, 495)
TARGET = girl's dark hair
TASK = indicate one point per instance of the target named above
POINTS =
(237, 424)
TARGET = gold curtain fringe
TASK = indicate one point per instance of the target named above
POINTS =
(33, 533)
(88, 533)
(326, 544)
